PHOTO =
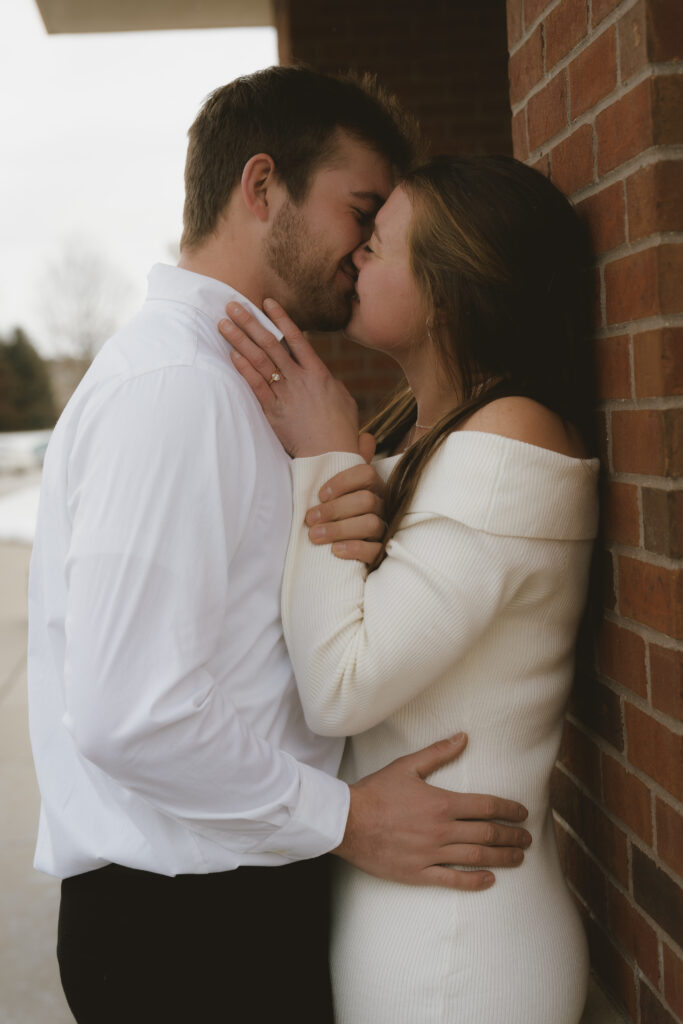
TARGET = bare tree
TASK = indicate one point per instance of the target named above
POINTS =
(83, 299)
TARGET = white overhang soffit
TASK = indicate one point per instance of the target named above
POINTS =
(143, 15)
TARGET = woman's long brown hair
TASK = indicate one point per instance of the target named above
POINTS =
(502, 260)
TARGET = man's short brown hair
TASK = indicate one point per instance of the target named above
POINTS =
(293, 114)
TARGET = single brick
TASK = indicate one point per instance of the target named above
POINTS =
(635, 936)
(565, 27)
(526, 67)
(593, 73)
(581, 756)
(627, 797)
(666, 679)
(520, 142)
(652, 1011)
(625, 128)
(647, 441)
(663, 521)
(612, 967)
(633, 41)
(571, 161)
(600, 10)
(658, 366)
(598, 707)
(673, 979)
(533, 10)
(670, 835)
(632, 287)
(605, 213)
(621, 656)
(657, 893)
(547, 111)
(655, 199)
(654, 749)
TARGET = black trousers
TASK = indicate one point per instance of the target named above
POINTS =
(248, 945)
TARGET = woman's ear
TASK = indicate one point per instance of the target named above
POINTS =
(258, 181)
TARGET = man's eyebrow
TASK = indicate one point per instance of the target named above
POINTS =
(372, 196)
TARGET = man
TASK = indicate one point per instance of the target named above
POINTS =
(170, 746)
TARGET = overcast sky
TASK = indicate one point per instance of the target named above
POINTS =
(92, 146)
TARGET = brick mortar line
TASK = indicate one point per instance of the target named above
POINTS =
(653, 155)
(652, 69)
(646, 556)
(660, 403)
(668, 721)
(622, 826)
(609, 20)
(658, 322)
(605, 747)
(656, 240)
(672, 484)
(661, 935)
(646, 633)
(618, 822)
(661, 932)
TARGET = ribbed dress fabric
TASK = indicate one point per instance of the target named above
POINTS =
(469, 624)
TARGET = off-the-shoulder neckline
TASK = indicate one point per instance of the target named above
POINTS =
(511, 441)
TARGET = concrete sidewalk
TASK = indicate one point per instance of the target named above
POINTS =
(30, 992)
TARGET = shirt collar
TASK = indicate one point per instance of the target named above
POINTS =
(175, 284)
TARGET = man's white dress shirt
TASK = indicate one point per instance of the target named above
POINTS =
(166, 726)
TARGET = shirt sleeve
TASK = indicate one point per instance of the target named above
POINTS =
(364, 645)
(159, 482)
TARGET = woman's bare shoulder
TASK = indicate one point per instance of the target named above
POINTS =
(523, 419)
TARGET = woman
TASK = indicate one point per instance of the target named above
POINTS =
(473, 282)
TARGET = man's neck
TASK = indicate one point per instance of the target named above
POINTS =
(208, 261)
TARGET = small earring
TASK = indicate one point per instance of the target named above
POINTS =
(428, 325)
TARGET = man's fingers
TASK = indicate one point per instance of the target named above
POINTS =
(484, 833)
(451, 878)
(481, 806)
(424, 762)
(463, 855)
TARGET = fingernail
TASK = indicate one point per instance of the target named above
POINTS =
(234, 308)
(268, 302)
(316, 532)
(339, 548)
(517, 857)
(459, 736)
(487, 880)
(526, 840)
(326, 493)
(313, 516)
(522, 813)
(225, 325)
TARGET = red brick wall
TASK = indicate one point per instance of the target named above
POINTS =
(446, 61)
(597, 103)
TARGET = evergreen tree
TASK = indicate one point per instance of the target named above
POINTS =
(26, 401)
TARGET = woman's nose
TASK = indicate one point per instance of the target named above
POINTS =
(357, 256)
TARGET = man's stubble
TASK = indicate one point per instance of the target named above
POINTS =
(310, 272)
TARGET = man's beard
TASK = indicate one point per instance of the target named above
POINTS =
(309, 271)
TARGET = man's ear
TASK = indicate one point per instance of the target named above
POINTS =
(258, 182)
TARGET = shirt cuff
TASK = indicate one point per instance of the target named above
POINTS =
(319, 821)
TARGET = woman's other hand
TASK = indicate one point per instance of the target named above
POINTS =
(350, 516)
(308, 409)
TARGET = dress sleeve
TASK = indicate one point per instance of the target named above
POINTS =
(159, 482)
(364, 645)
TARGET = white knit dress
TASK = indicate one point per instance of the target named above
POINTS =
(469, 624)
